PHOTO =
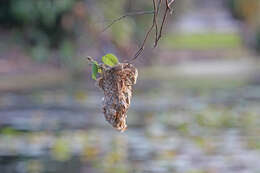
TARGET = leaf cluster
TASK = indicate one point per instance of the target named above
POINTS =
(108, 60)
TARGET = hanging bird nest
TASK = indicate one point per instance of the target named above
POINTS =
(116, 83)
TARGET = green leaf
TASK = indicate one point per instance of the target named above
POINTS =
(99, 70)
(110, 59)
(94, 71)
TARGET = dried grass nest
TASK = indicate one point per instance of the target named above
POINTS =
(116, 83)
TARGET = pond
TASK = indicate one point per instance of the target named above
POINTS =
(170, 129)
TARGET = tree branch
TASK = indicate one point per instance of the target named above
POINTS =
(127, 15)
(155, 20)
(167, 10)
(147, 34)
(158, 32)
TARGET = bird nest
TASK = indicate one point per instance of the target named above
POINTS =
(116, 83)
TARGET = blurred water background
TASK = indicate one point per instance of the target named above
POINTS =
(196, 105)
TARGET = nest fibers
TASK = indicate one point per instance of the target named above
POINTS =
(117, 82)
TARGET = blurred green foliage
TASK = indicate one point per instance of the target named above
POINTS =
(57, 28)
(39, 20)
(54, 30)
(203, 41)
(42, 25)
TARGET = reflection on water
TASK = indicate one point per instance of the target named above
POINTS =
(183, 131)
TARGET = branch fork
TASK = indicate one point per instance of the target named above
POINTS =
(158, 29)
(158, 32)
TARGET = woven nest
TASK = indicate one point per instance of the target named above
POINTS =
(117, 82)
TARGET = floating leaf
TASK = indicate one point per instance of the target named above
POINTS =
(94, 71)
(110, 59)
(61, 150)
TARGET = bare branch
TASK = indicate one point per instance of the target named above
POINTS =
(147, 34)
(158, 7)
(90, 59)
(127, 15)
(163, 22)
(155, 20)
(158, 30)
(167, 10)
(169, 5)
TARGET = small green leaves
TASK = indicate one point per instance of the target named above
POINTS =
(94, 70)
(110, 59)
(99, 70)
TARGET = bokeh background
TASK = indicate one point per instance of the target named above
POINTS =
(196, 105)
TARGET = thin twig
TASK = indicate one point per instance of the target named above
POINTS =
(126, 15)
(90, 59)
(147, 34)
(157, 8)
(163, 22)
(169, 5)
(155, 12)
(168, 9)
